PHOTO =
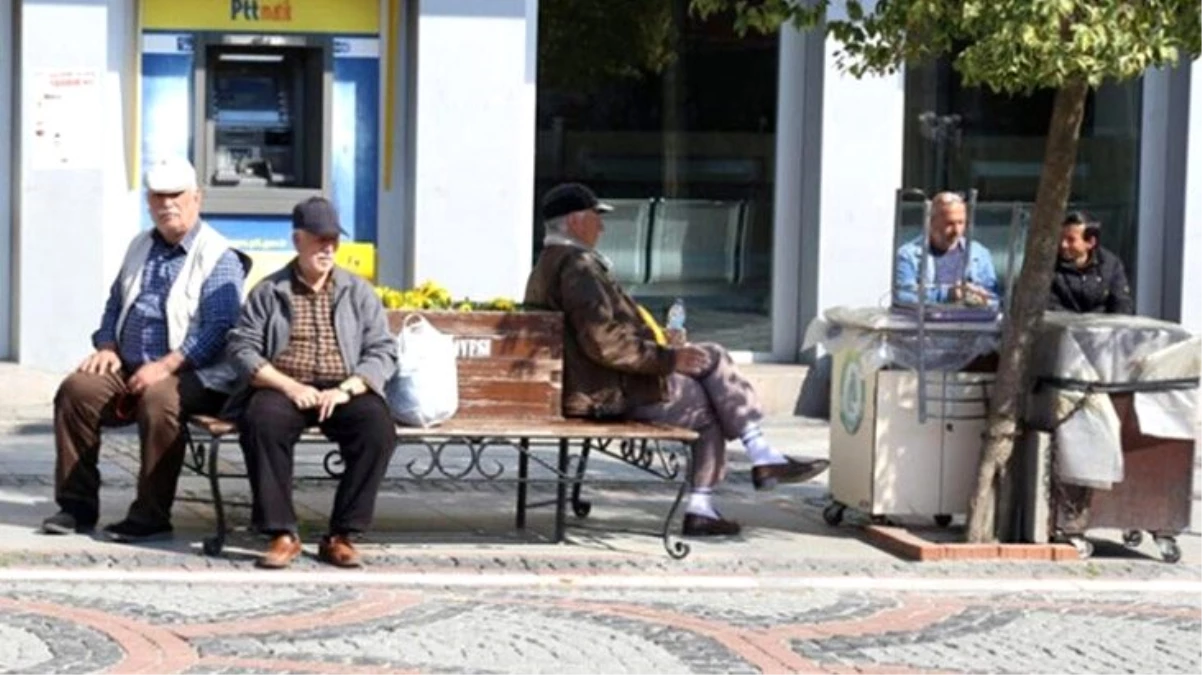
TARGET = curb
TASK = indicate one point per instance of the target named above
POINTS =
(906, 544)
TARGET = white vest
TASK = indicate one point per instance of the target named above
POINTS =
(183, 299)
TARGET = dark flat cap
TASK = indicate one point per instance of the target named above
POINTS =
(569, 198)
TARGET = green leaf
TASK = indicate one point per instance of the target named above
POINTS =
(1006, 45)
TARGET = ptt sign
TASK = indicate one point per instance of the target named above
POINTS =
(254, 10)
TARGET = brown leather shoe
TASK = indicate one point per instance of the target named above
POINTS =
(281, 552)
(703, 526)
(338, 550)
(768, 476)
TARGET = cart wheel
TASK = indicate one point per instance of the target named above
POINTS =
(833, 514)
(1084, 546)
(1169, 550)
(212, 546)
(1133, 538)
(943, 520)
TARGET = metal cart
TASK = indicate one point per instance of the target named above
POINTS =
(1118, 398)
(910, 387)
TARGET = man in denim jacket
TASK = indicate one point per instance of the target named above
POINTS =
(948, 255)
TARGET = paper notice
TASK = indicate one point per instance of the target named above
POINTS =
(68, 118)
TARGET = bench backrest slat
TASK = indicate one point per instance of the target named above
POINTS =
(510, 363)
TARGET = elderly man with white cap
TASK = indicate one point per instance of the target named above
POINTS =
(157, 359)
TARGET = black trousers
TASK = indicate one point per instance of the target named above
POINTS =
(271, 426)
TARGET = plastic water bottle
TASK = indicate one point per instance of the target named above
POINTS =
(676, 315)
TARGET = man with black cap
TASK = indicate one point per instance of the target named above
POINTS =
(614, 368)
(313, 349)
(157, 360)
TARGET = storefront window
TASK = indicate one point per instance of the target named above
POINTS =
(959, 138)
(672, 120)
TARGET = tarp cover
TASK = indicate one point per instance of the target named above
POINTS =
(1078, 359)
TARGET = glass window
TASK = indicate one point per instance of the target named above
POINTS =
(672, 120)
(959, 137)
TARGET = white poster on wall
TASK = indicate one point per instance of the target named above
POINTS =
(67, 120)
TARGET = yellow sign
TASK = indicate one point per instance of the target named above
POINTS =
(357, 257)
(343, 17)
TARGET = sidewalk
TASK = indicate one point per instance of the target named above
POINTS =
(469, 529)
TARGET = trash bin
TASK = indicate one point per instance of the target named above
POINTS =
(1119, 397)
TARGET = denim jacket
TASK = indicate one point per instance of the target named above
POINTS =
(978, 271)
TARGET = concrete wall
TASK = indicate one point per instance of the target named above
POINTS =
(394, 232)
(8, 55)
(73, 221)
(855, 170)
(473, 169)
(1191, 243)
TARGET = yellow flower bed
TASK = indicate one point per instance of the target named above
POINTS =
(430, 295)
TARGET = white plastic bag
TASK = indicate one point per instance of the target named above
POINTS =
(425, 390)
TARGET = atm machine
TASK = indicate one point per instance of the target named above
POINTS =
(272, 108)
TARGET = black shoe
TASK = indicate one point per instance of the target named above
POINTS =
(64, 522)
(703, 526)
(132, 531)
(768, 476)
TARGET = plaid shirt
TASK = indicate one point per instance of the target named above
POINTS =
(144, 333)
(312, 355)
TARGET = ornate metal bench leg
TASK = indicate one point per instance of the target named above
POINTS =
(214, 544)
(678, 549)
(523, 474)
(580, 507)
(561, 492)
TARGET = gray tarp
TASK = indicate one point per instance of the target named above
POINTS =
(883, 338)
(1080, 358)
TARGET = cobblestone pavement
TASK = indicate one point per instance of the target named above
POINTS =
(67, 627)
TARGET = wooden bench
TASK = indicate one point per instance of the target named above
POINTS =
(510, 388)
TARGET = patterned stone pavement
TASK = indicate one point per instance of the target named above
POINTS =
(66, 627)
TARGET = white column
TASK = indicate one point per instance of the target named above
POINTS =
(473, 170)
(798, 155)
(7, 58)
(848, 242)
(75, 217)
(1191, 262)
(1153, 189)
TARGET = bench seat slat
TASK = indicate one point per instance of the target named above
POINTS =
(507, 427)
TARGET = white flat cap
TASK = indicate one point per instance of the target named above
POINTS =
(170, 175)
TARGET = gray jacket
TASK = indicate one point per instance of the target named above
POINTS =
(264, 326)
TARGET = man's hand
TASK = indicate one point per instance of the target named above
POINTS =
(976, 296)
(692, 360)
(329, 399)
(677, 337)
(969, 294)
(101, 362)
(147, 376)
(303, 396)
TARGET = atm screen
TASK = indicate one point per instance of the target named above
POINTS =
(249, 99)
(254, 144)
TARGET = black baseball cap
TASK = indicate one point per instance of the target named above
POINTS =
(316, 215)
(569, 198)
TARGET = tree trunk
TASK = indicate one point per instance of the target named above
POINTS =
(1026, 310)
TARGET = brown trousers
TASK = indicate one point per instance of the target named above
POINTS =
(86, 402)
(718, 405)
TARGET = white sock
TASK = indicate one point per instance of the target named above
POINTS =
(701, 503)
(757, 447)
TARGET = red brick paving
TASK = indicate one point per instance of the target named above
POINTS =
(151, 647)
